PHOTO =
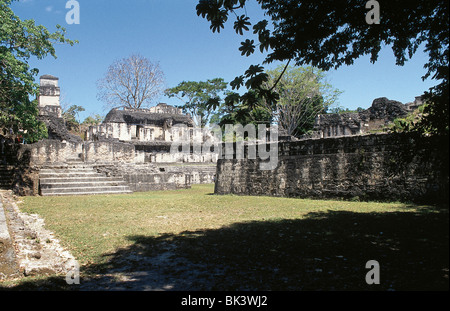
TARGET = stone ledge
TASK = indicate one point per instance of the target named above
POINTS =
(8, 264)
(37, 251)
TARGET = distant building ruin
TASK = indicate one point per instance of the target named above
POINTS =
(142, 125)
(49, 96)
(130, 151)
(382, 112)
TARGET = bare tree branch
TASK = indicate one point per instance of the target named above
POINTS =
(132, 82)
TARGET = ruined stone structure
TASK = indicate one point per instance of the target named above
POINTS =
(49, 96)
(153, 133)
(131, 151)
(382, 112)
(390, 167)
(141, 125)
(341, 159)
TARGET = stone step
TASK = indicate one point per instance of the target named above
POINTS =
(74, 160)
(83, 185)
(79, 179)
(60, 180)
(85, 191)
(67, 170)
(71, 175)
(95, 188)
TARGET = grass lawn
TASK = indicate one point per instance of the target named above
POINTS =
(256, 243)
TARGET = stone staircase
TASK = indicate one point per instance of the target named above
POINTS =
(78, 178)
(6, 176)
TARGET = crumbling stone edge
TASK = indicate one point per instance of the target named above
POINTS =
(37, 251)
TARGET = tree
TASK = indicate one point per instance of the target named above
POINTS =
(70, 117)
(19, 41)
(330, 33)
(132, 82)
(93, 120)
(235, 111)
(341, 110)
(201, 99)
(303, 94)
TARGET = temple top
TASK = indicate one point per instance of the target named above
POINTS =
(49, 77)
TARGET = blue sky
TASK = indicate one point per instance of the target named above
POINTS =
(170, 32)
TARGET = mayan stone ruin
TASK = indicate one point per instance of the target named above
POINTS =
(130, 151)
(348, 155)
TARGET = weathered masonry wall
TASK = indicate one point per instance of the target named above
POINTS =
(54, 151)
(112, 158)
(377, 167)
(149, 177)
(146, 177)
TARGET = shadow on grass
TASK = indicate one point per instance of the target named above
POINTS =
(323, 251)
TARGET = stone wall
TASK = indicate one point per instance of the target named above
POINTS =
(28, 159)
(25, 178)
(392, 167)
(149, 167)
(200, 173)
(161, 152)
(55, 151)
(146, 177)
(108, 151)
(149, 176)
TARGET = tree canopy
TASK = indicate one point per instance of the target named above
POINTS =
(19, 41)
(303, 94)
(201, 98)
(71, 115)
(133, 82)
(330, 33)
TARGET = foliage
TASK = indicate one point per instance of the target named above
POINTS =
(93, 120)
(328, 34)
(303, 94)
(201, 99)
(410, 122)
(19, 41)
(435, 120)
(71, 115)
(340, 110)
(236, 111)
(132, 82)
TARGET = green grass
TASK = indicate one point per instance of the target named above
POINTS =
(93, 225)
(261, 242)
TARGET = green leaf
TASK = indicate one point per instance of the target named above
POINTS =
(237, 82)
(247, 47)
(256, 81)
(19, 41)
(260, 27)
(241, 24)
(253, 70)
